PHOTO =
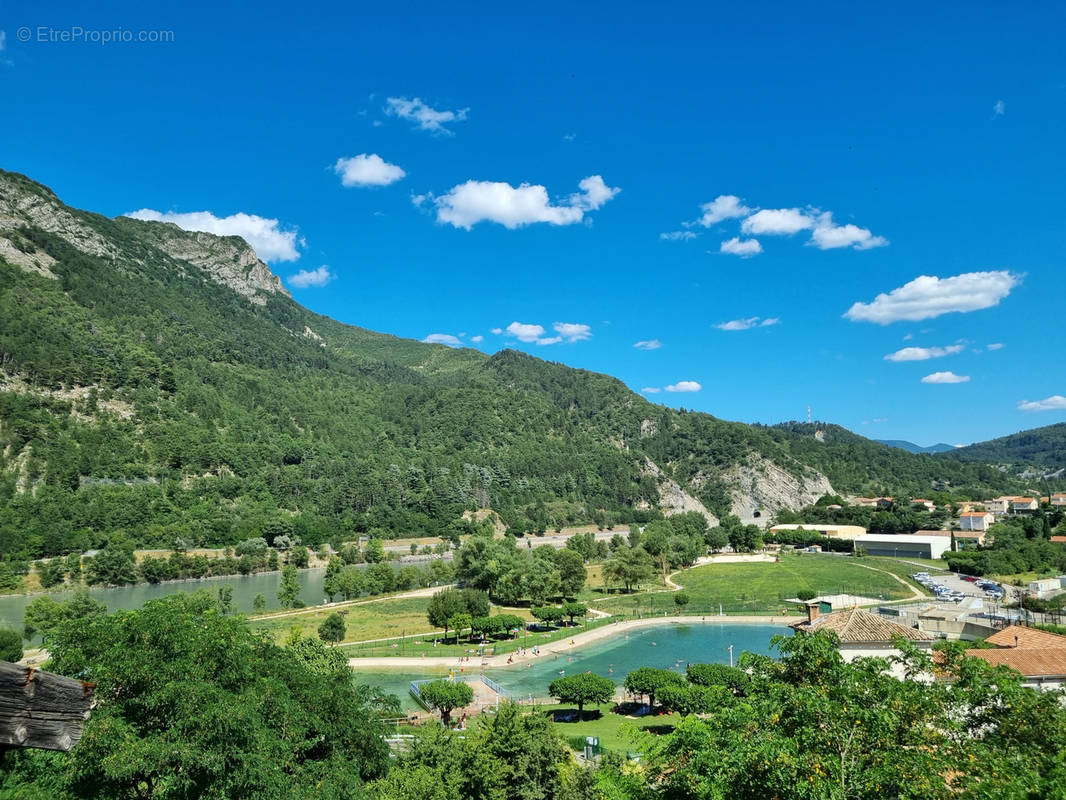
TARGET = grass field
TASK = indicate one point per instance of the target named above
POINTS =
(423, 645)
(375, 620)
(615, 731)
(761, 587)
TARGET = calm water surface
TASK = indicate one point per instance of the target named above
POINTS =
(668, 647)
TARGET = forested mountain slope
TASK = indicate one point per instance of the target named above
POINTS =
(1039, 447)
(156, 383)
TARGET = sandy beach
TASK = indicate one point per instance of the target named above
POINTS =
(561, 646)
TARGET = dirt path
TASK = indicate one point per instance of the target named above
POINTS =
(560, 647)
(915, 593)
(429, 591)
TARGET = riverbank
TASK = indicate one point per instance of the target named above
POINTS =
(560, 647)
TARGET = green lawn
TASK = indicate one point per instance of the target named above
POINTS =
(615, 731)
(422, 645)
(375, 620)
(761, 587)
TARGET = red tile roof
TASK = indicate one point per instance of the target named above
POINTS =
(1019, 636)
(1032, 663)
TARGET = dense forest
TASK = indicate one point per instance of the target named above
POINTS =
(1039, 447)
(144, 400)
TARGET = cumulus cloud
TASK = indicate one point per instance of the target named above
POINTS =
(572, 331)
(443, 338)
(594, 193)
(424, 117)
(367, 169)
(265, 236)
(725, 206)
(678, 236)
(684, 386)
(1054, 403)
(534, 334)
(827, 236)
(945, 377)
(467, 204)
(777, 222)
(996, 346)
(651, 390)
(524, 332)
(928, 296)
(999, 108)
(747, 323)
(923, 353)
(477, 339)
(307, 278)
(650, 344)
(745, 249)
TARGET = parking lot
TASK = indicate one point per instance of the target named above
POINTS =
(956, 589)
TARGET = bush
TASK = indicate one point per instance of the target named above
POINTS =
(10, 645)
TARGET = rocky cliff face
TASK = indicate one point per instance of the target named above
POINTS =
(762, 487)
(228, 260)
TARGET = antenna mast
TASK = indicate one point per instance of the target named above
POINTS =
(808, 415)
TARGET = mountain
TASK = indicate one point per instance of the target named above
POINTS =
(1039, 447)
(911, 447)
(157, 383)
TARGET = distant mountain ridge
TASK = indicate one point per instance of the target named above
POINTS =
(1037, 447)
(911, 447)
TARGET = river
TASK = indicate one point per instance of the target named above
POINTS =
(245, 588)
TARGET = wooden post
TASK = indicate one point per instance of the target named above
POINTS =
(40, 709)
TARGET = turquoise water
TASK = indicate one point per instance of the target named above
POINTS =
(667, 647)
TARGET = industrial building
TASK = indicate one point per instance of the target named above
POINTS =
(904, 545)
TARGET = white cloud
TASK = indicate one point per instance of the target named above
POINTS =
(650, 390)
(496, 331)
(572, 331)
(525, 332)
(477, 339)
(745, 249)
(443, 338)
(427, 119)
(314, 277)
(684, 386)
(827, 236)
(996, 346)
(928, 296)
(367, 169)
(945, 377)
(1054, 403)
(999, 108)
(3, 41)
(594, 193)
(747, 323)
(777, 221)
(569, 136)
(467, 204)
(650, 344)
(534, 334)
(678, 236)
(924, 353)
(725, 206)
(265, 236)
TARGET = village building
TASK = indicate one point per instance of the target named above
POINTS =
(1038, 655)
(976, 520)
(863, 633)
(831, 531)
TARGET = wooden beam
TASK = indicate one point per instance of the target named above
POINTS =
(41, 709)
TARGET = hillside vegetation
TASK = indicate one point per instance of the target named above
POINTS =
(157, 384)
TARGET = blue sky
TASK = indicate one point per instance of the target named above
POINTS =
(896, 142)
